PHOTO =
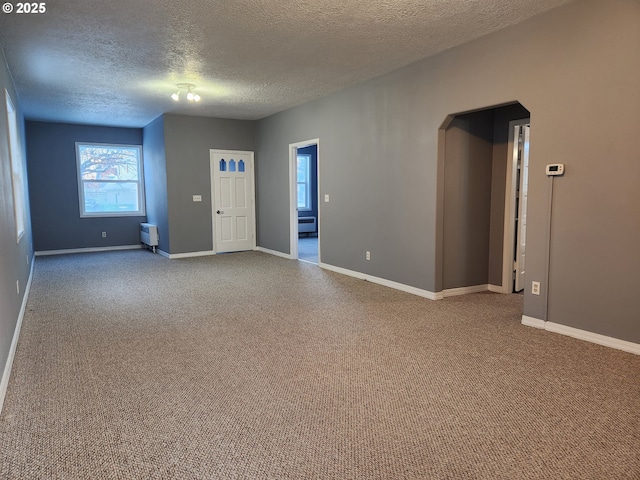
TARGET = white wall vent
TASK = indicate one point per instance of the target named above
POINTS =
(149, 235)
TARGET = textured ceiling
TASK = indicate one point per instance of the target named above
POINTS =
(117, 62)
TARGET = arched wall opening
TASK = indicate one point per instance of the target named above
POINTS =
(473, 170)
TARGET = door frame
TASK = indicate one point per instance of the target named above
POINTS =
(510, 206)
(212, 152)
(293, 195)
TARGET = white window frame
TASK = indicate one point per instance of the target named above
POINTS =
(140, 181)
(307, 182)
(17, 169)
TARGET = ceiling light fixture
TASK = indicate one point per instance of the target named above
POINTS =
(186, 88)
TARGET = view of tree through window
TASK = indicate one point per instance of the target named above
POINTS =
(110, 180)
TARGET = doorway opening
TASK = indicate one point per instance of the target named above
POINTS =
(483, 174)
(305, 205)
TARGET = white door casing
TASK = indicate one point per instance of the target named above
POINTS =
(521, 234)
(293, 195)
(233, 200)
(511, 210)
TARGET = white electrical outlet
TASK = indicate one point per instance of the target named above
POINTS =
(535, 288)
(197, 198)
(104, 234)
(367, 255)
(326, 198)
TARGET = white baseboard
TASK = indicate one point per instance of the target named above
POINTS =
(173, 256)
(593, 337)
(585, 335)
(395, 285)
(533, 322)
(274, 252)
(382, 281)
(66, 251)
(454, 292)
(4, 382)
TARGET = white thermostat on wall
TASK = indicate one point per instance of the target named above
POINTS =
(554, 169)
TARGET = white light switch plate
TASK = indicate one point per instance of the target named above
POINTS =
(197, 198)
(326, 198)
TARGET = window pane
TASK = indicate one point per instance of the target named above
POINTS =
(304, 184)
(303, 168)
(108, 162)
(110, 179)
(302, 195)
(111, 197)
(15, 154)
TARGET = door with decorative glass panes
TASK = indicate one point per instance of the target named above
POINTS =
(232, 195)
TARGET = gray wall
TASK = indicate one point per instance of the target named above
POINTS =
(155, 180)
(15, 258)
(176, 160)
(576, 69)
(55, 211)
(370, 160)
(467, 200)
(187, 144)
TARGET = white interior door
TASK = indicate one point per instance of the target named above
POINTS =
(233, 204)
(521, 233)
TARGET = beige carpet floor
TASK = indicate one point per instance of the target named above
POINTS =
(249, 366)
